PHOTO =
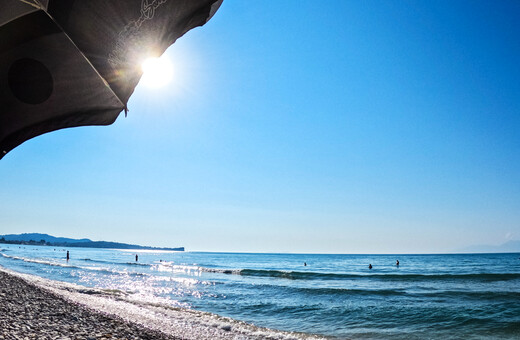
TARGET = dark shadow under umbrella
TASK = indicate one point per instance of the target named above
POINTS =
(68, 63)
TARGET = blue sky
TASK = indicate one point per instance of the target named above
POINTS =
(310, 126)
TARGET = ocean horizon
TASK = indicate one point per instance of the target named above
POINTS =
(334, 296)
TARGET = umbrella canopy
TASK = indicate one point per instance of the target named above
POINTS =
(68, 63)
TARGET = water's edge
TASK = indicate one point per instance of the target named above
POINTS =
(175, 321)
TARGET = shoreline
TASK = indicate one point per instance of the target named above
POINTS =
(30, 311)
(35, 307)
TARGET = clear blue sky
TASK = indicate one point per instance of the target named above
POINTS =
(300, 126)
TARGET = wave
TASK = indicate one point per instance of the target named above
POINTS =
(97, 261)
(297, 275)
(45, 262)
(112, 271)
(449, 294)
(278, 274)
(136, 264)
(118, 263)
(308, 275)
(66, 265)
(194, 268)
(175, 318)
(477, 295)
(351, 292)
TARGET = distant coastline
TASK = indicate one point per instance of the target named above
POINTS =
(38, 239)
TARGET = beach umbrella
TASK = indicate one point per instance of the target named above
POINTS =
(68, 63)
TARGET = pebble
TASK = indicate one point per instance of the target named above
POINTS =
(28, 312)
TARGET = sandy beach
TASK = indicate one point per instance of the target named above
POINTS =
(32, 307)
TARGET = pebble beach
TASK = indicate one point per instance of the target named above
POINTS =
(28, 311)
(33, 307)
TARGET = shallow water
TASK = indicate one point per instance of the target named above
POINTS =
(426, 296)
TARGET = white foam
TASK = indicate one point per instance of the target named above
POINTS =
(158, 314)
(46, 262)
(192, 270)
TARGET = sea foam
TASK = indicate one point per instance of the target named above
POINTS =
(157, 314)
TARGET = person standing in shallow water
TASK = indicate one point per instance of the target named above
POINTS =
(136, 257)
(370, 266)
(397, 263)
(68, 257)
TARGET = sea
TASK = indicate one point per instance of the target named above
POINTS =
(448, 296)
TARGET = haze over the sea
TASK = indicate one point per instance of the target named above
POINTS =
(314, 126)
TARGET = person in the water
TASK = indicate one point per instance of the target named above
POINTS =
(68, 255)
(136, 257)
(370, 266)
(397, 263)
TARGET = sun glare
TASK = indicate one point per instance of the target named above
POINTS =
(157, 72)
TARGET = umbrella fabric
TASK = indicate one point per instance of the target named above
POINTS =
(67, 63)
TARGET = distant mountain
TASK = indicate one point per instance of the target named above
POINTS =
(48, 240)
(39, 237)
(512, 246)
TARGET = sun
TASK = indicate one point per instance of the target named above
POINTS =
(157, 72)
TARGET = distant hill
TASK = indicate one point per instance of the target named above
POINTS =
(48, 240)
(39, 237)
(512, 246)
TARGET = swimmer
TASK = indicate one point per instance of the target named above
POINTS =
(305, 264)
(397, 263)
(370, 266)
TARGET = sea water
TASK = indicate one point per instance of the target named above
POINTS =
(337, 296)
